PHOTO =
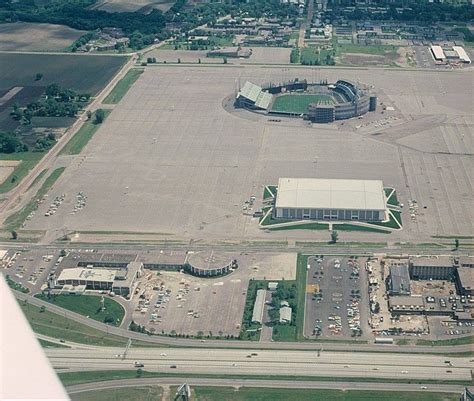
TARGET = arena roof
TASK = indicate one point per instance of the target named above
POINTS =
(263, 100)
(330, 194)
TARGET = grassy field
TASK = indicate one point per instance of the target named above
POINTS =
(377, 50)
(15, 221)
(120, 394)
(297, 104)
(392, 200)
(88, 305)
(277, 394)
(311, 56)
(60, 327)
(85, 74)
(82, 137)
(28, 161)
(16, 286)
(49, 344)
(451, 341)
(123, 86)
(72, 378)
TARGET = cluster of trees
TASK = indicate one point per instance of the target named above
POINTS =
(9, 143)
(45, 142)
(83, 40)
(286, 291)
(58, 102)
(137, 327)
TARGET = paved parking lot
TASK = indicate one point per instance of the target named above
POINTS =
(31, 268)
(171, 160)
(336, 298)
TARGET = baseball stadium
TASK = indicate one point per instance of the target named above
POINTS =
(321, 102)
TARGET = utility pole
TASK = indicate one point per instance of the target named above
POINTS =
(183, 393)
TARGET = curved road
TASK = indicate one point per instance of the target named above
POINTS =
(181, 342)
(176, 381)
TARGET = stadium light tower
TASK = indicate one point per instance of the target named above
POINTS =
(183, 393)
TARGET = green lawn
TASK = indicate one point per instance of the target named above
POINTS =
(49, 344)
(16, 220)
(121, 394)
(392, 200)
(379, 50)
(88, 305)
(279, 394)
(302, 226)
(83, 136)
(269, 191)
(395, 220)
(60, 327)
(16, 286)
(311, 56)
(297, 104)
(122, 87)
(28, 161)
(451, 341)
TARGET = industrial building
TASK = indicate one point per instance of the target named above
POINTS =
(330, 199)
(454, 53)
(259, 306)
(432, 268)
(465, 280)
(399, 280)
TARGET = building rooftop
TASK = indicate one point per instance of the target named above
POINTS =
(285, 314)
(209, 260)
(406, 301)
(250, 91)
(330, 194)
(431, 261)
(466, 277)
(399, 279)
(77, 273)
(259, 306)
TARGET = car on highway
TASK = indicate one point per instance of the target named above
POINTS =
(163, 354)
(173, 367)
(423, 387)
(139, 364)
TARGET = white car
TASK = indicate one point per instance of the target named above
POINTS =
(163, 354)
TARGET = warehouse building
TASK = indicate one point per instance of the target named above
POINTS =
(438, 53)
(259, 306)
(465, 280)
(399, 280)
(328, 199)
(432, 268)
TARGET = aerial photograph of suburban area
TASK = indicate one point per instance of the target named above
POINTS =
(237, 200)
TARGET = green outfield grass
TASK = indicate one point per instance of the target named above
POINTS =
(122, 87)
(83, 136)
(298, 104)
(88, 305)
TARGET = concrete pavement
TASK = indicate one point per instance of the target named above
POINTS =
(267, 363)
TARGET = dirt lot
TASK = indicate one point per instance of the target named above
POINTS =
(6, 168)
(23, 36)
(192, 163)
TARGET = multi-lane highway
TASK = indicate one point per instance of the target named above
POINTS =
(266, 362)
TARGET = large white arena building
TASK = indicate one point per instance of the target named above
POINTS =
(330, 199)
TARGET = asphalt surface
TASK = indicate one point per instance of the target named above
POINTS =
(181, 342)
(79, 388)
(265, 362)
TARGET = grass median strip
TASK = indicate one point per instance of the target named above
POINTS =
(16, 220)
(122, 87)
(83, 136)
(73, 378)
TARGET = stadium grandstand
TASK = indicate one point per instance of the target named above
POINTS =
(321, 102)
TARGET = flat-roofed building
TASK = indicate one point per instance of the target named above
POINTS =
(404, 304)
(259, 306)
(465, 280)
(431, 268)
(463, 56)
(438, 53)
(95, 279)
(399, 280)
(466, 261)
(330, 199)
(285, 314)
